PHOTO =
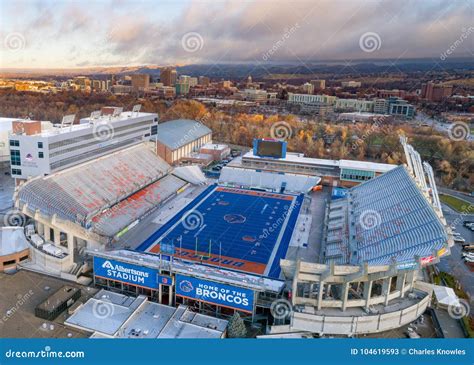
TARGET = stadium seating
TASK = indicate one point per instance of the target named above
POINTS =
(79, 193)
(386, 220)
(128, 210)
(267, 180)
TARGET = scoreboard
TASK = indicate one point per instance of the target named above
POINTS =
(267, 147)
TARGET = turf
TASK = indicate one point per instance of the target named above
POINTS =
(240, 229)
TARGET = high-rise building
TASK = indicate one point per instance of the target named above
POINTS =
(436, 92)
(83, 83)
(318, 84)
(168, 76)
(182, 88)
(204, 80)
(307, 88)
(140, 82)
(193, 81)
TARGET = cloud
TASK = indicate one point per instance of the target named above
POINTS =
(236, 31)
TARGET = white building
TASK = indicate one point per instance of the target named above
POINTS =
(39, 152)
(5, 131)
(310, 99)
(354, 105)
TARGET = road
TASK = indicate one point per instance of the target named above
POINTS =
(457, 194)
(454, 264)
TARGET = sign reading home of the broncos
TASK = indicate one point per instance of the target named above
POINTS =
(126, 273)
(215, 293)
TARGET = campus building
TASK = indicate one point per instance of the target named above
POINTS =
(178, 139)
(35, 151)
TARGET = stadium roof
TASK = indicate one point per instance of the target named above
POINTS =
(80, 192)
(365, 165)
(382, 221)
(12, 240)
(177, 133)
(343, 164)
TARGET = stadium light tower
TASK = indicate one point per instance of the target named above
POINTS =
(434, 189)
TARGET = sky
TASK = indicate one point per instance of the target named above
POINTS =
(70, 34)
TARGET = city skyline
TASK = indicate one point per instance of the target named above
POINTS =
(61, 34)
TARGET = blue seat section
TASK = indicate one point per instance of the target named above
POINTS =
(150, 240)
(285, 241)
(404, 223)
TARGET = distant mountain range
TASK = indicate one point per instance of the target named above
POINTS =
(266, 70)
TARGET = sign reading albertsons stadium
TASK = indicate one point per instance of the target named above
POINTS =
(215, 293)
(126, 273)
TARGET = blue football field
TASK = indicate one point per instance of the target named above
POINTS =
(244, 230)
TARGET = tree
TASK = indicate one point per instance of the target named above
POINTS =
(236, 327)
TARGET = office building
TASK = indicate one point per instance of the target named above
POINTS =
(168, 76)
(436, 92)
(204, 80)
(140, 82)
(182, 88)
(36, 152)
(318, 84)
(401, 108)
(307, 88)
(381, 106)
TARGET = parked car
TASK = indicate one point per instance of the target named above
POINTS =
(459, 239)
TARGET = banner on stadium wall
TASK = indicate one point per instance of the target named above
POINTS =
(215, 293)
(126, 273)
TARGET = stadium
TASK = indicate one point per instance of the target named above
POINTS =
(268, 242)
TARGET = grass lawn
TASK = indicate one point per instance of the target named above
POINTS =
(455, 203)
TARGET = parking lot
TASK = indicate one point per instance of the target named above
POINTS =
(454, 264)
(20, 294)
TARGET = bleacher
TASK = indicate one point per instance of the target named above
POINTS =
(111, 221)
(387, 219)
(267, 180)
(79, 193)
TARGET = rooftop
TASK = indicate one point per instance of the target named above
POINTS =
(300, 158)
(177, 133)
(111, 314)
(12, 240)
